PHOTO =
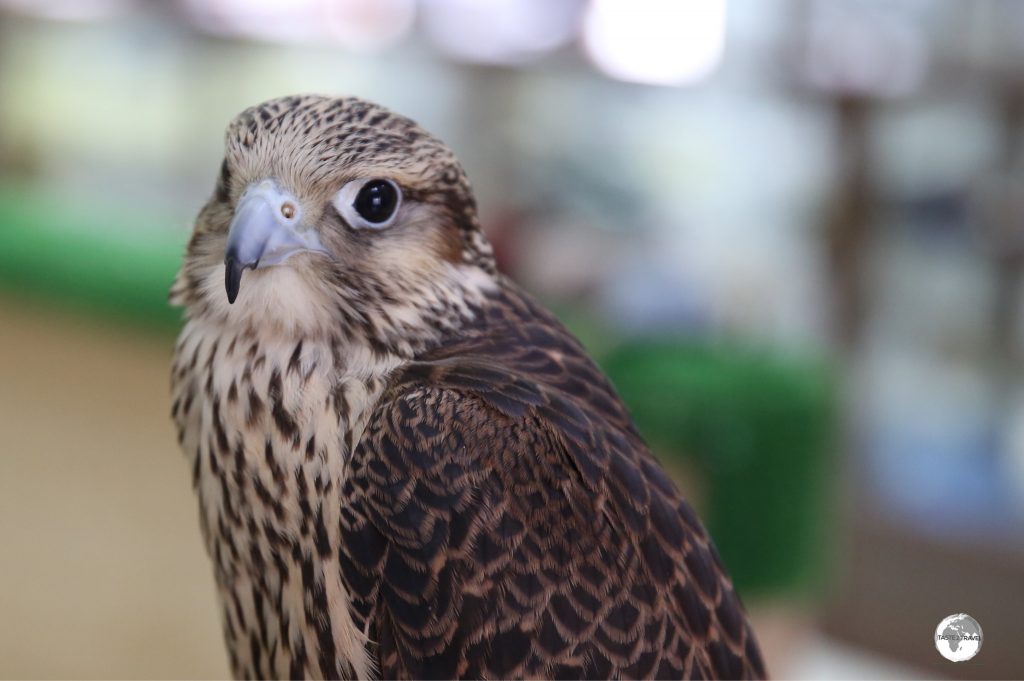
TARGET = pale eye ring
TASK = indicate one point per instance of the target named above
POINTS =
(288, 210)
(369, 203)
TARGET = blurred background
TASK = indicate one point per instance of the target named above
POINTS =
(790, 230)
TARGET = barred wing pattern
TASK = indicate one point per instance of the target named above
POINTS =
(502, 518)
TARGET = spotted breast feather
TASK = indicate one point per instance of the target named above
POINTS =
(502, 518)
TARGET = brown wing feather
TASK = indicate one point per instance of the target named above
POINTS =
(504, 519)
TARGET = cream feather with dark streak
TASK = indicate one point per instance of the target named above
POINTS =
(408, 469)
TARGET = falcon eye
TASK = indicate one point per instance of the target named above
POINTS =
(369, 204)
(376, 201)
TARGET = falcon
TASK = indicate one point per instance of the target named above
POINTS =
(406, 467)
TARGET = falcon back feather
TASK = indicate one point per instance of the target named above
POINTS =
(407, 468)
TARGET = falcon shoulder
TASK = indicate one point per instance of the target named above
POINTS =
(505, 522)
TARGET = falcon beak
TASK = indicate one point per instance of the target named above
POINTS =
(267, 229)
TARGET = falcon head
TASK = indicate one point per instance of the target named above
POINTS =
(335, 215)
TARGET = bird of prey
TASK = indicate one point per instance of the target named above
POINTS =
(406, 467)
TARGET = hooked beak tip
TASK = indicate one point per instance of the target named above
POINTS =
(232, 277)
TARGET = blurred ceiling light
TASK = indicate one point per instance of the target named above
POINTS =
(370, 25)
(69, 10)
(867, 47)
(658, 42)
(360, 25)
(271, 20)
(499, 31)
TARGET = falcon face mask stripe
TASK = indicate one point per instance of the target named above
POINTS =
(267, 229)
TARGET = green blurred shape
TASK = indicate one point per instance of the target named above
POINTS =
(115, 264)
(759, 430)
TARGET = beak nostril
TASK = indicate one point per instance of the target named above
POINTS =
(288, 210)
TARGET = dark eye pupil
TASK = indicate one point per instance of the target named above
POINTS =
(376, 201)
